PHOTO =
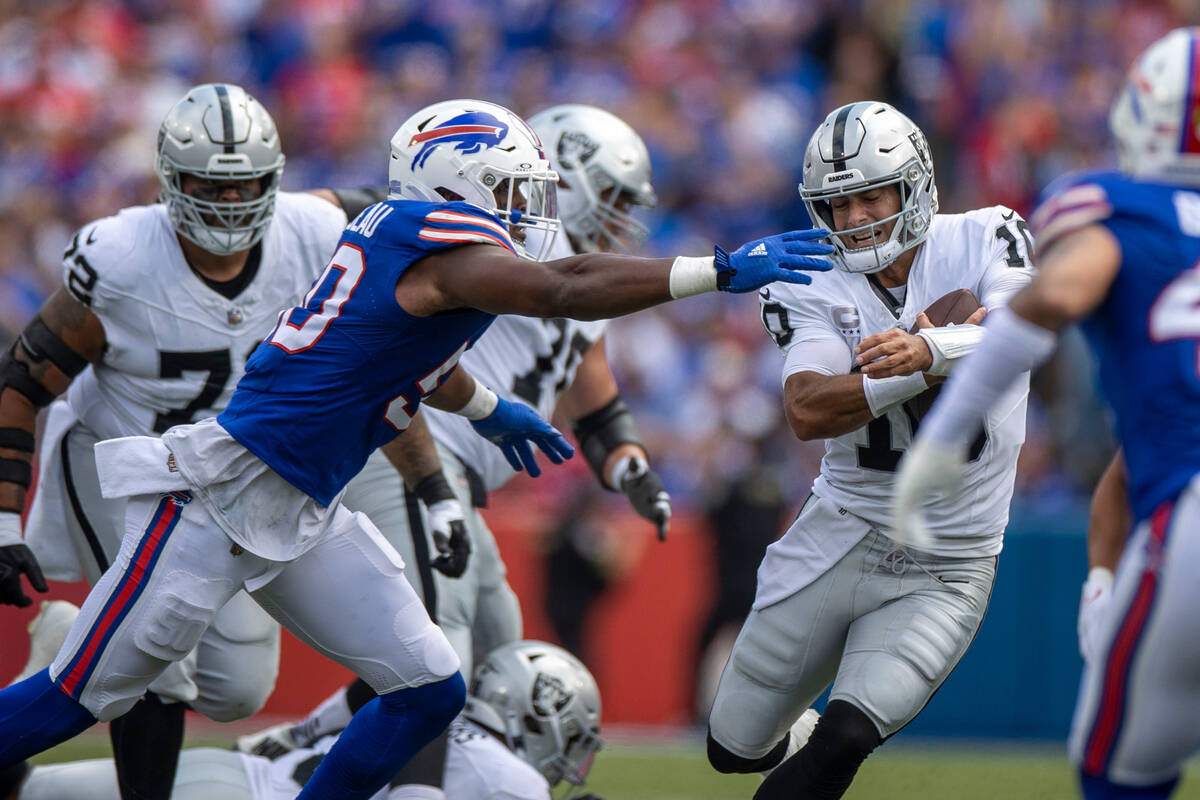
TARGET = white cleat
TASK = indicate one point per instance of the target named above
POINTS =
(270, 743)
(798, 736)
(47, 632)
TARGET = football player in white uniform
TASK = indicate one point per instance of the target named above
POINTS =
(838, 601)
(531, 722)
(165, 302)
(549, 364)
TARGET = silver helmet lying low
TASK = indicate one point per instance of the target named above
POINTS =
(219, 132)
(543, 703)
(865, 146)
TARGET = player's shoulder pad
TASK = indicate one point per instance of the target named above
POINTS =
(799, 295)
(1075, 201)
(307, 216)
(112, 253)
(422, 225)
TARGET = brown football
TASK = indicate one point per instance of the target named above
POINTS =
(954, 307)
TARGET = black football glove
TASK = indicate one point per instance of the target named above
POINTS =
(450, 538)
(14, 560)
(646, 493)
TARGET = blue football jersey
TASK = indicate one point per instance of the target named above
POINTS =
(1146, 332)
(344, 372)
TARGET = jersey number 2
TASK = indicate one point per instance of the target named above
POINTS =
(1175, 314)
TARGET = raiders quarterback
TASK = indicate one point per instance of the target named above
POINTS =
(838, 600)
(549, 364)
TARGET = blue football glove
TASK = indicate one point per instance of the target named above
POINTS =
(512, 426)
(775, 258)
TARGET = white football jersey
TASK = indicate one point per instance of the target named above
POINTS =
(478, 767)
(817, 326)
(176, 348)
(522, 359)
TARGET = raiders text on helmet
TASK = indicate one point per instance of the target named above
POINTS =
(603, 166)
(863, 146)
(1156, 118)
(484, 154)
(217, 131)
(545, 705)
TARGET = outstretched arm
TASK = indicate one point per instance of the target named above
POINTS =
(598, 285)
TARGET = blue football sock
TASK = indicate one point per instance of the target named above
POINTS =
(1099, 788)
(35, 715)
(382, 737)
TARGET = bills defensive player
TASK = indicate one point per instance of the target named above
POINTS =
(165, 302)
(604, 172)
(547, 692)
(252, 499)
(1117, 251)
(838, 600)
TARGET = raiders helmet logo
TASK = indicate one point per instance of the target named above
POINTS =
(575, 149)
(550, 695)
(922, 147)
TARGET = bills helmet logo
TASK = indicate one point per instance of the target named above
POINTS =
(550, 695)
(469, 133)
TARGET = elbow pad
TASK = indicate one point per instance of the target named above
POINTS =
(602, 431)
(949, 344)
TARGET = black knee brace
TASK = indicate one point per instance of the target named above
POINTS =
(724, 761)
(824, 768)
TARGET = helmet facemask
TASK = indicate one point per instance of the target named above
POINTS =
(527, 203)
(597, 220)
(911, 221)
(218, 227)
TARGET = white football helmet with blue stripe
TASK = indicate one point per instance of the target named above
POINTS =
(1156, 118)
(484, 154)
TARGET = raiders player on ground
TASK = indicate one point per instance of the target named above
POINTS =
(838, 601)
(551, 364)
(165, 302)
(544, 686)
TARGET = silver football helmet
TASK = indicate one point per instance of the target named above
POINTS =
(603, 169)
(481, 153)
(543, 703)
(863, 146)
(1156, 118)
(218, 131)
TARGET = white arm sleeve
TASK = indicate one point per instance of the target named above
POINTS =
(824, 356)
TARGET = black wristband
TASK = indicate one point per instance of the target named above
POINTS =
(15, 470)
(17, 439)
(604, 430)
(434, 488)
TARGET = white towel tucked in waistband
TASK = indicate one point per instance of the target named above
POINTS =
(134, 465)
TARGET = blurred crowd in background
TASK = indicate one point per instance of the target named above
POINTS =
(725, 93)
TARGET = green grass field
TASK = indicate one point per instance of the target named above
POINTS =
(654, 770)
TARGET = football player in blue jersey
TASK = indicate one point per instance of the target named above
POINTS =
(251, 499)
(1118, 252)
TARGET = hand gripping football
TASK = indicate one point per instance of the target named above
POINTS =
(953, 308)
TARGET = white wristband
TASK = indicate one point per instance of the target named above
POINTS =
(1100, 577)
(690, 275)
(482, 403)
(10, 528)
(883, 393)
(948, 344)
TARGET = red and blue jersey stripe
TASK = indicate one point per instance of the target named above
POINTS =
(449, 226)
(124, 595)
